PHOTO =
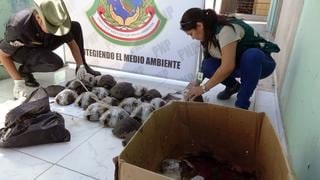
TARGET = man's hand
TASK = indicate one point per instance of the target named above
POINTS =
(19, 90)
(80, 72)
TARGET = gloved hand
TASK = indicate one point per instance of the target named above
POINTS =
(80, 72)
(187, 89)
(19, 89)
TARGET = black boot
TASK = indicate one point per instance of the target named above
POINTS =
(228, 92)
(28, 78)
(91, 71)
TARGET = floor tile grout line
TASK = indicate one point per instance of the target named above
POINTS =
(52, 165)
(77, 146)
(84, 141)
(76, 171)
(33, 156)
(58, 165)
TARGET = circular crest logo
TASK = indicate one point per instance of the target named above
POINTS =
(126, 22)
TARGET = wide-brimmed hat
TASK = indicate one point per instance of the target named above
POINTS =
(55, 16)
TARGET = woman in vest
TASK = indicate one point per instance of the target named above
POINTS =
(232, 49)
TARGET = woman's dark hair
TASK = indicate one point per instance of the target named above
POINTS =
(210, 19)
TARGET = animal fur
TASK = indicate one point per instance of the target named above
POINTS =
(173, 97)
(142, 112)
(95, 110)
(139, 90)
(54, 90)
(129, 104)
(125, 126)
(78, 87)
(178, 169)
(106, 81)
(90, 79)
(158, 103)
(171, 168)
(128, 137)
(111, 101)
(111, 117)
(181, 97)
(85, 99)
(151, 94)
(66, 97)
(122, 90)
(100, 92)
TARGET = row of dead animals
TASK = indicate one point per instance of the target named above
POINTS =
(121, 106)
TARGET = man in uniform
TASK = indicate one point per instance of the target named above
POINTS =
(30, 38)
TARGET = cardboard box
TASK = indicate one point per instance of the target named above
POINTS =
(243, 137)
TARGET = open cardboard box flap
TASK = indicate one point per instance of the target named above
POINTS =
(245, 138)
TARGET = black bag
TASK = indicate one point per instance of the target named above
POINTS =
(33, 123)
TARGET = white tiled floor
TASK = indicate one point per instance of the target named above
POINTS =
(89, 153)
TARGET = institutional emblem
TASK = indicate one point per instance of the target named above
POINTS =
(126, 22)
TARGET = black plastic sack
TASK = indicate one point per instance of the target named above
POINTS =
(33, 123)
